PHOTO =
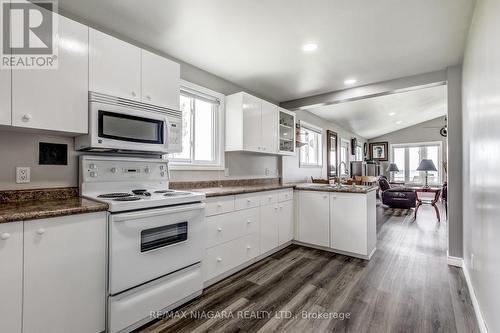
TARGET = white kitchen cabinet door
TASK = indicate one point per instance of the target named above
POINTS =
(64, 274)
(269, 127)
(114, 66)
(314, 218)
(56, 99)
(269, 234)
(252, 123)
(285, 220)
(11, 276)
(160, 81)
(5, 97)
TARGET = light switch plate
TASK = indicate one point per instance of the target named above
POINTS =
(23, 175)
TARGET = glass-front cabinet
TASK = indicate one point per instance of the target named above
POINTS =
(286, 132)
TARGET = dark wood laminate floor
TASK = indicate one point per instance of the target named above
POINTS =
(406, 287)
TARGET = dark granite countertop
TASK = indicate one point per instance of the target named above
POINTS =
(242, 189)
(332, 188)
(38, 204)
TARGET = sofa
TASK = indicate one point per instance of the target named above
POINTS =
(396, 197)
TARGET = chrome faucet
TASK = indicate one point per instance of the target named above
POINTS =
(340, 174)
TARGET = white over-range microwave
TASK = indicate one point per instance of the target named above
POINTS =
(123, 125)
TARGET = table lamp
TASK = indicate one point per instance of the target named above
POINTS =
(392, 168)
(426, 165)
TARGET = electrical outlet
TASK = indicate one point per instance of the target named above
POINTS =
(226, 172)
(267, 171)
(23, 174)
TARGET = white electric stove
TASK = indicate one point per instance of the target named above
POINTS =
(155, 237)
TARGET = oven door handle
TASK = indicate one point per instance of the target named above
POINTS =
(156, 212)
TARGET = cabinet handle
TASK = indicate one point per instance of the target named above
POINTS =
(219, 205)
(259, 148)
(248, 247)
(219, 259)
(281, 206)
(40, 231)
(263, 148)
(5, 236)
(133, 94)
(325, 196)
(219, 229)
(334, 198)
(276, 208)
(26, 117)
(249, 221)
(249, 201)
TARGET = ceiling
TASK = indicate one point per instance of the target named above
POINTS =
(257, 44)
(376, 116)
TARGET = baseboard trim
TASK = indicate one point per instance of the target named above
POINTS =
(479, 316)
(454, 261)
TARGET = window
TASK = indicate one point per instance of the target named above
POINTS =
(358, 153)
(408, 156)
(344, 156)
(202, 119)
(312, 146)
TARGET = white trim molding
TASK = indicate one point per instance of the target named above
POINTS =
(475, 303)
(454, 261)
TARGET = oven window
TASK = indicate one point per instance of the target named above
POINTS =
(155, 238)
(130, 128)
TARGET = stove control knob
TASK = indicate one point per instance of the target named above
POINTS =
(147, 170)
(93, 174)
(113, 170)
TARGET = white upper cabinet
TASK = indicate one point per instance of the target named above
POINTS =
(65, 274)
(252, 120)
(286, 131)
(5, 89)
(160, 81)
(251, 124)
(269, 127)
(55, 99)
(115, 66)
(11, 276)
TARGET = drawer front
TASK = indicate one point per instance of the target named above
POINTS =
(219, 259)
(244, 201)
(226, 227)
(219, 205)
(285, 195)
(267, 198)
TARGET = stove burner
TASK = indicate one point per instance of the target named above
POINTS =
(176, 194)
(127, 199)
(164, 191)
(114, 195)
(140, 191)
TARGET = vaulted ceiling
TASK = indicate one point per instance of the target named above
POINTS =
(257, 44)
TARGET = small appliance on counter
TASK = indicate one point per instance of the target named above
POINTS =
(155, 237)
(368, 168)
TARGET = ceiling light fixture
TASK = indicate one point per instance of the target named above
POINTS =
(392, 114)
(349, 82)
(310, 47)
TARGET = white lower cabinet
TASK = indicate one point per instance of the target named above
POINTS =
(222, 258)
(314, 218)
(285, 222)
(11, 276)
(269, 227)
(242, 227)
(64, 274)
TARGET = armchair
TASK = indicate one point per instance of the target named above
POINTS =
(396, 197)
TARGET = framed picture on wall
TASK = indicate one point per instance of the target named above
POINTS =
(379, 151)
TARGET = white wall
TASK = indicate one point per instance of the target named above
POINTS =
(481, 152)
(427, 131)
(290, 164)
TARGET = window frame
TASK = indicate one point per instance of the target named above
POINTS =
(218, 129)
(406, 168)
(319, 131)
